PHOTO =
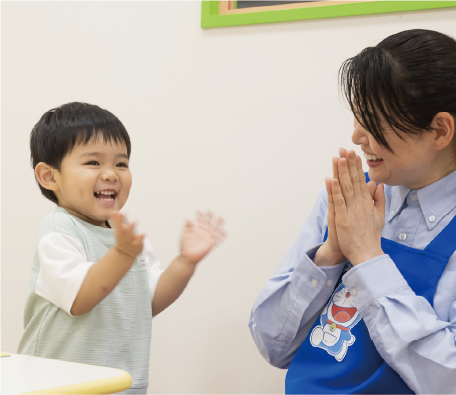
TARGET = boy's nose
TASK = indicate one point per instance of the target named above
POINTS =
(109, 175)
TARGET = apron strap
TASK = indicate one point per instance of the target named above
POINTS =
(444, 244)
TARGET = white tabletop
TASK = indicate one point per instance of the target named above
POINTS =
(23, 373)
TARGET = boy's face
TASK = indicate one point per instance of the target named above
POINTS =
(94, 180)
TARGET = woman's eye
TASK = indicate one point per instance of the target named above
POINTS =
(121, 165)
(92, 163)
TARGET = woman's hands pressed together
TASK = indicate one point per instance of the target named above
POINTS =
(356, 211)
(330, 253)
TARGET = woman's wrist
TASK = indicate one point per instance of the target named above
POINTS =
(366, 255)
(325, 257)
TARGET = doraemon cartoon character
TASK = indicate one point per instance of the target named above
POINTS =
(336, 320)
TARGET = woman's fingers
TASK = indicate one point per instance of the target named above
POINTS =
(340, 207)
(371, 187)
(345, 184)
(331, 213)
(336, 168)
(366, 191)
(379, 199)
(342, 152)
(354, 173)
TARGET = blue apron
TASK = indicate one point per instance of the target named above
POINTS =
(338, 355)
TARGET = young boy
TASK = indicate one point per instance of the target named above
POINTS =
(94, 289)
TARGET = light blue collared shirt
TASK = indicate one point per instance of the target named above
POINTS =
(414, 338)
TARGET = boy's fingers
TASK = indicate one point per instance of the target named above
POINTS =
(117, 219)
(209, 216)
(220, 222)
(221, 233)
(200, 217)
(130, 226)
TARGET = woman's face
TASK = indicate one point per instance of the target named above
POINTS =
(411, 164)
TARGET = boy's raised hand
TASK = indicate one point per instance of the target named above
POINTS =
(200, 236)
(127, 241)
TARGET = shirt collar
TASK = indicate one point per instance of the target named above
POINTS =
(442, 192)
(398, 196)
(436, 200)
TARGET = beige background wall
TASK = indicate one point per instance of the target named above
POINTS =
(242, 120)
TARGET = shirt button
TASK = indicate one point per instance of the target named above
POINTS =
(415, 197)
(354, 291)
(314, 283)
(432, 218)
(392, 212)
(329, 283)
(402, 236)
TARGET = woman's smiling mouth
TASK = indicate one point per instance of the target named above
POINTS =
(373, 160)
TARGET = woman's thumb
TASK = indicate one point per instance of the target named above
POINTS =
(379, 198)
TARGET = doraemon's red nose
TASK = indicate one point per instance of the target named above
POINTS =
(347, 295)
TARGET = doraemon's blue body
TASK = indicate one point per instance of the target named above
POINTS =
(336, 320)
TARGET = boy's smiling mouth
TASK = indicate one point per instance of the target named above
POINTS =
(107, 195)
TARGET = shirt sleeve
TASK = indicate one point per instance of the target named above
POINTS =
(291, 300)
(417, 340)
(153, 267)
(63, 269)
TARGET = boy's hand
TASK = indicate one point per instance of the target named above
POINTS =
(201, 236)
(127, 241)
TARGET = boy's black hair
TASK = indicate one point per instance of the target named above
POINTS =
(404, 81)
(61, 129)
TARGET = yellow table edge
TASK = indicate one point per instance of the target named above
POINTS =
(102, 386)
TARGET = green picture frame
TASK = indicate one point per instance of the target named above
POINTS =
(212, 17)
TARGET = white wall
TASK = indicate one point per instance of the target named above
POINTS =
(242, 120)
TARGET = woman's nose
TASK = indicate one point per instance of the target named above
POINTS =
(359, 135)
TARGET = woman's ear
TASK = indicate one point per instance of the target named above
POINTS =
(443, 125)
(45, 176)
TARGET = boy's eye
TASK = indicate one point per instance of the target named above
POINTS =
(92, 163)
(122, 164)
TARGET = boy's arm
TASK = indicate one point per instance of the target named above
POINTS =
(172, 283)
(197, 240)
(105, 274)
(101, 279)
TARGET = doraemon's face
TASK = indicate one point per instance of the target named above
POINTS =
(342, 309)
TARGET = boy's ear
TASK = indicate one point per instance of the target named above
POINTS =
(45, 176)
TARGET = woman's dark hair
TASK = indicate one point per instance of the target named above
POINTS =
(61, 129)
(404, 81)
